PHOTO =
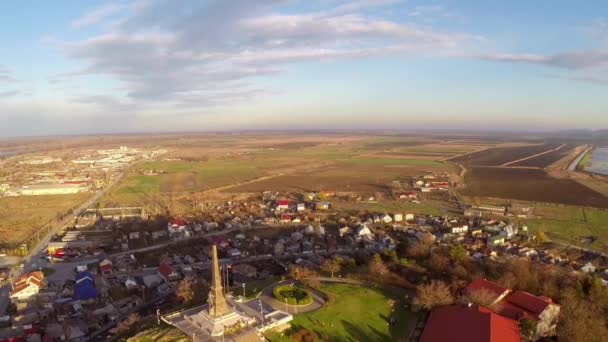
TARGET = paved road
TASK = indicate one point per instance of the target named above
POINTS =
(34, 260)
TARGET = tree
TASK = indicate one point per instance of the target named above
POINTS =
(377, 267)
(128, 324)
(527, 329)
(541, 237)
(304, 335)
(485, 298)
(331, 266)
(434, 294)
(185, 290)
(439, 263)
(298, 272)
(458, 253)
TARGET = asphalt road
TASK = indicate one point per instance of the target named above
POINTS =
(34, 260)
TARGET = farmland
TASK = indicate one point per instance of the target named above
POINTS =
(21, 216)
(546, 159)
(502, 155)
(529, 185)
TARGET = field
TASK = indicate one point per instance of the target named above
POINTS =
(547, 159)
(529, 185)
(355, 314)
(21, 216)
(502, 155)
(357, 175)
(571, 224)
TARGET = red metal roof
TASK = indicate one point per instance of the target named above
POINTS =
(471, 324)
(482, 284)
(534, 305)
(283, 202)
(178, 222)
(165, 270)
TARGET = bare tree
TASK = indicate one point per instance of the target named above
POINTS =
(485, 298)
(434, 294)
(331, 266)
(128, 324)
(185, 290)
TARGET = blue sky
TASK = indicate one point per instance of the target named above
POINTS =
(74, 67)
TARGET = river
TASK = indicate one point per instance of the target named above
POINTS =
(599, 161)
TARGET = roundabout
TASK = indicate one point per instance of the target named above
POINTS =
(292, 294)
(292, 297)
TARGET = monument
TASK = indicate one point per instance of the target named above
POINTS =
(219, 316)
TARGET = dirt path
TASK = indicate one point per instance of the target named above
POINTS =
(533, 156)
(465, 154)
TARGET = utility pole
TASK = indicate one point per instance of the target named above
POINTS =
(243, 290)
(261, 312)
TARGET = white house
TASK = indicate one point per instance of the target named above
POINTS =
(27, 286)
(588, 268)
(364, 231)
(398, 217)
(460, 229)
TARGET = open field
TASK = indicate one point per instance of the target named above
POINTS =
(21, 216)
(529, 185)
(501, 155)
(547, 159)
(355, 313)
(357, 175)
(571, 224)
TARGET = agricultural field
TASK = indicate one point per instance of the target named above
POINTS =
(502, 155)
(546, 159)
(355, 313)
(357, 175)
(23, 215)
(529, 185)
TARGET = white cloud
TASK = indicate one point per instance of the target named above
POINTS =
(98, 15)
(6, 75)
(183, 55)
(589, 59)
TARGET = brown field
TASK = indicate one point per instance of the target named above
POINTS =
(548, 159)
(21, 216)
(501, 155)
(529, 185)
(341, 177)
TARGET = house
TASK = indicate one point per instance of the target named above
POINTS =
(131, 284)
(497, 292)
(176, 225)
(84, 287)
(344, 231)
(523, 305)
(485, 210)
(27, 286)
(588, 268)
(152, 280)
(386, 218)
(167, 272)
(301, 206)
(285, 218)
(469, 323)
(363, 231)
(234, 253)
(322, 205)
(459, 229)
(398, 217)
(409, 217)
(496, 240)
(105, 267)
(282, 205)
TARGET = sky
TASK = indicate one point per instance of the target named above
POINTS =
(85, 67)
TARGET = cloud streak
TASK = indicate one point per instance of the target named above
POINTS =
(183, 57)
(98, 15)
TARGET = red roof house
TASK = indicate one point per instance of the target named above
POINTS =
(523, 305)
(471, 324)
(27, 286)
(167, 272)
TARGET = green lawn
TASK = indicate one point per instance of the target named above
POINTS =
(354, 313)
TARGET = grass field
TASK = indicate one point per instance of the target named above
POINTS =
(355, 313)
(20, 216)
(570, 224)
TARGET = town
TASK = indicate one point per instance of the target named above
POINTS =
(116, 268)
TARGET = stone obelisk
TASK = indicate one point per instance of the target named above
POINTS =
(217, 302)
